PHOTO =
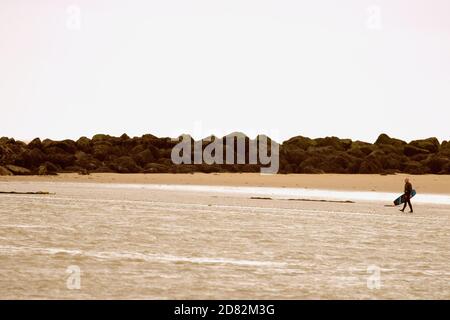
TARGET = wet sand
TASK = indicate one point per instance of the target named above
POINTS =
(430, 184)
(138, 243)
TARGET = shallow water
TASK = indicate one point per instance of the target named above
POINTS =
(276, 193)
(161, 242)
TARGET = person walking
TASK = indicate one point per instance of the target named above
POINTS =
(408, 191)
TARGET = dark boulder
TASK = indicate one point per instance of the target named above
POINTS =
(300, 142)
(354, 165)
(445, 148)
(294, 155)
(143, 157)
(102, 149)
(86, 161)
(445, 169)
(390, 149)
(10, 149)
(369, 166)
(30, 158)
(415, 167)
(392, 163)
(312, 161)
(336, 164)
(138, 149)
(149, 138)
(125, 164)
(102, 137)
(334, 142)
(385, 139)
(124, 137)
(154, 151)
(321, 151)
(127, 143)
(67, 146)
(412, 151)
(4, 140)
(5, 172)
(4, 151)
(419, 157)
(430, 144)
(357, 152)
(361, 149)
(59, 156)
(286, 167)
(47, 168)
(35, 143)
(18, 171)
(436, 163)
(84, 144)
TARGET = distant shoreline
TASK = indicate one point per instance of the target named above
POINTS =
(430, 184)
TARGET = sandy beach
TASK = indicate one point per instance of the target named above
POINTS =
(431, 184)
(137, 241)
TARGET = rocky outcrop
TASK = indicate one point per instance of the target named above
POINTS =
(387, 155)
(150, 154)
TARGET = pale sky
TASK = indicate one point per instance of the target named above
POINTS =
(349, 68)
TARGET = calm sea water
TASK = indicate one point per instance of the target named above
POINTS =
(161, 242)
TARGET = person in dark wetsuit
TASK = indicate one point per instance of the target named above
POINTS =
(408, 190)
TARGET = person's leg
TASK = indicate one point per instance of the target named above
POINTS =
(404, 207)
(406, 202)
(410, 206)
